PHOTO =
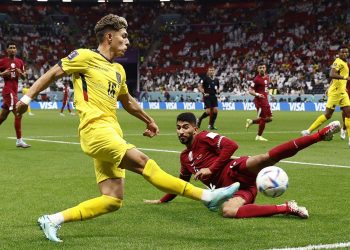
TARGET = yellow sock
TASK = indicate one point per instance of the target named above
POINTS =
(347, 125)
(92, 208)
(29, 110)
(318, 122)
(168, 183)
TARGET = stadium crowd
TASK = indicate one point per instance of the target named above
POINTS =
(296, 39)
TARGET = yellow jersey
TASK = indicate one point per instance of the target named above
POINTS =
(97, 83)
(25, 90)
(339, 86)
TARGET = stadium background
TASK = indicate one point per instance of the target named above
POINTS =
(173, 42)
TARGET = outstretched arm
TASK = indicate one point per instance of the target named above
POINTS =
(42, 83)
(133, 108)
(335, 75)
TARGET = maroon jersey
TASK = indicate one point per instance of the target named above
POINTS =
(261, 85)
(11, 80)
(65, 91)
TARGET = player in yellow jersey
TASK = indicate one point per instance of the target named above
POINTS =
(25, 90)
(337, 94)
(98, 83)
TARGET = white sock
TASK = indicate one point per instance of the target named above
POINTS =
(207, 195)
(19, 140)
(56, 218)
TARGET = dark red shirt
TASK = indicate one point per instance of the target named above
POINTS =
(261, 85)
(208, 150)
(11, 81)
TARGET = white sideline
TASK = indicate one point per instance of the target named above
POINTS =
(311, 247)
(178, 152)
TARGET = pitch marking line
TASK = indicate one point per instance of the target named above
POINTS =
(178, 152)
(312, 247)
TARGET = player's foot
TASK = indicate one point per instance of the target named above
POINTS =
(305, 132)
(61, 114)
(342, 134)
(212, 128)
(328, 131)
(221, 195)
(30, 113)
(71, 113)
(260, 138)
(198, 122)
(248, 123)
(49, 228)
(296, 210)
(21, 144)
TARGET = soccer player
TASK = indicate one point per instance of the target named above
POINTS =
(208, 157)
(98, 82)
(11, 68)
(65, 100)
(209, 87)
(336, 93)
(25, 90)
(343, 129)
(259, 89)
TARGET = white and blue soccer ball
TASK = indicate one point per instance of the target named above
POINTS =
(272, 181)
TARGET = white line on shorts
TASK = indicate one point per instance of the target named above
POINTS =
(178, 152)
(312, 247)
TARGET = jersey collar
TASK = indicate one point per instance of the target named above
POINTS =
(98, 52)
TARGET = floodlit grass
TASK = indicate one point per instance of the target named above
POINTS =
(49, 177)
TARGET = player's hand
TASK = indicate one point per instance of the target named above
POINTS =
(18, 71)
(202, 173)
(21, 108)
(152, 201)
(151, 130)
(260, 95)
(7, 72)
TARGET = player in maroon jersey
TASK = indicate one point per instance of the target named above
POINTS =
(259, 89)
(65, 100)
(208, 157)
(11, 68)
(343, 129)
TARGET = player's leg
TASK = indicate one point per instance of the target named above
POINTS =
(134, 160)
(241, 205)
(346, 112)
(64, 102)
(238, 208)
(205, 114)
(110, 179)
(343, 129)
(214, 113)
(4, 114)
(321, 119)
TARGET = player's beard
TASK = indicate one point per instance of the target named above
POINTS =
(186, 140)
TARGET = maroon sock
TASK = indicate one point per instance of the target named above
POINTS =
(252, 210)
(292, 147)
(18, 127)
(261, 127)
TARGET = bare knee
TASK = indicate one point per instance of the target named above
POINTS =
(230, 207)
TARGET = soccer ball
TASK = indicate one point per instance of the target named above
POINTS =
(272, 181)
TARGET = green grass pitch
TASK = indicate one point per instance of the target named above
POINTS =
(52, 176)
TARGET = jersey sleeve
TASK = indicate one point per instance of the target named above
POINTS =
(76, 61)
(124, 87)
(337, 65)
(223, 146)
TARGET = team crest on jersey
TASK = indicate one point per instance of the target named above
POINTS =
(119, 77)
(72, 54)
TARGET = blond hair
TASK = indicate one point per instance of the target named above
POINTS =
(108, 23)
